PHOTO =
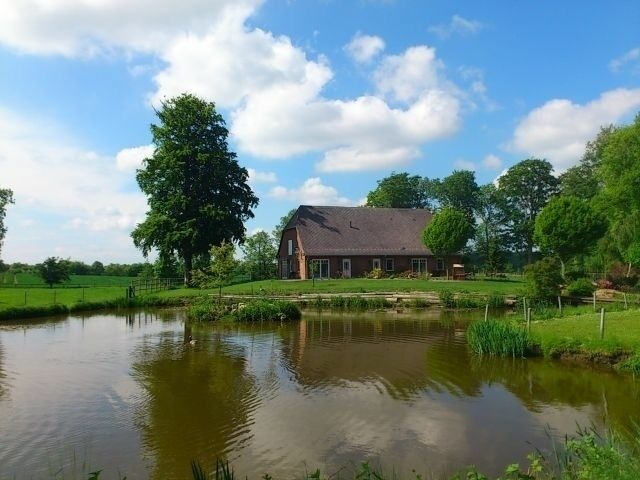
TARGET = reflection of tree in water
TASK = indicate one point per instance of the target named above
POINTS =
(538, 383)
(198, 401)
(3, 375)
(402, 356)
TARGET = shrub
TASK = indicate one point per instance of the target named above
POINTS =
(604, 284)
(376, 273)
(205, 311)
(581, 288)
(573, 275)
(543, 279)
(620, 275)
(497, 338)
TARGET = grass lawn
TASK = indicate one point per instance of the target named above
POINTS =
(36, 297)
(581, 333)
(21, 280)
(363, 285)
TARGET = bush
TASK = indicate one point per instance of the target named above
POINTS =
(447, 299)
(573, 275)
(544, 279)
(604, 284)
(620, 275)
(581, 288)
(205, 311)
(376, 273)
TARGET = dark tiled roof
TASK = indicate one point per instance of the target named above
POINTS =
(360, 230)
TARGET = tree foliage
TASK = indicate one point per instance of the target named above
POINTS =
(259, 255)
(401, 190)
(568, 226)
(197, 193)
(527, 187)
(277, 231)
(491, 239)
(223, 265)
(447, 233)
(6, 197)
(459, 191)
(53, 271)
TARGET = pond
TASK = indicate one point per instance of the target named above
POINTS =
(128, 393)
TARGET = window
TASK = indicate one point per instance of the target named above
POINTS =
(440, 264)
(290, 247)
(388, 264)
(284, 269)
(376, 263)
(419, 265)
(319, 268)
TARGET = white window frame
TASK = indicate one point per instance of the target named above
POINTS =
(386, 264)
(373, 264)
(290, 247)
(419, 262)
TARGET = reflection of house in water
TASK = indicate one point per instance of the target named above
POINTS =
(401, 356)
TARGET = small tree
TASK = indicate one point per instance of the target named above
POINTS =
(259, 255)
(53, 270)
(568, 226)
(222, 265)
(447, 233)
(544, 279)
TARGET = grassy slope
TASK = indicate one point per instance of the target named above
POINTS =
(581, 333)
(355, 285)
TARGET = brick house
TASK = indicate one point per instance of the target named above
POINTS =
(351, 241)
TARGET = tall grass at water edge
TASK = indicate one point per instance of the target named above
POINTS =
(498, 338)
(256, 311)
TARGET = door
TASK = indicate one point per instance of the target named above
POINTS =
(284, 269)
(346, 268)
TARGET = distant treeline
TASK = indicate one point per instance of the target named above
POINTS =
(76, 267)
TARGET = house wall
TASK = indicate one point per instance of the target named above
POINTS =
(294, 261)
(360, 265)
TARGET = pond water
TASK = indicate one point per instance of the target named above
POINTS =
(128, 394)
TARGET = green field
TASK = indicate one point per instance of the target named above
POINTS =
(24, 280)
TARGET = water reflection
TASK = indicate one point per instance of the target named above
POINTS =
(401, 390)
(198, 400)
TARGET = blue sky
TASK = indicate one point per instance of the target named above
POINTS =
(322, 98)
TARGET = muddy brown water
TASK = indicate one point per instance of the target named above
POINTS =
(127, 393)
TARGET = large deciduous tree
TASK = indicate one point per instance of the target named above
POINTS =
(527, 187)
(259, 255)
(6, 197)
(459, 191)
(401, 190)
(447, 233)
(197, 193)
(277, 231)
(568, 226)
(53, 270)
(491, 240)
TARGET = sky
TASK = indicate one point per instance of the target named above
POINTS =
(322, 99)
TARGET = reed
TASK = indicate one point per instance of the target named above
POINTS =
(499, 338)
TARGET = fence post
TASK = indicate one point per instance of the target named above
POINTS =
(54, 297)
(83, 294)
(528, 319)
(25, 297)
(524, 307)
(594, 301)
(486, 312)
(625, 301)
(560, 304)
(601, 323)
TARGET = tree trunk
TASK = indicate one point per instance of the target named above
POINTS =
(629, 270)
(562, 269)
(188, 266)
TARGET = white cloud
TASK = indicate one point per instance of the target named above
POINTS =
(405, 77)
(261, 177)
(272, 88)
(559, 129)
(90, 27)
(631, 57)
(311, 192)
(364, 48)
(60, 186)
(130, 159)
(458, 25)
(463, 164)
(492, 162)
